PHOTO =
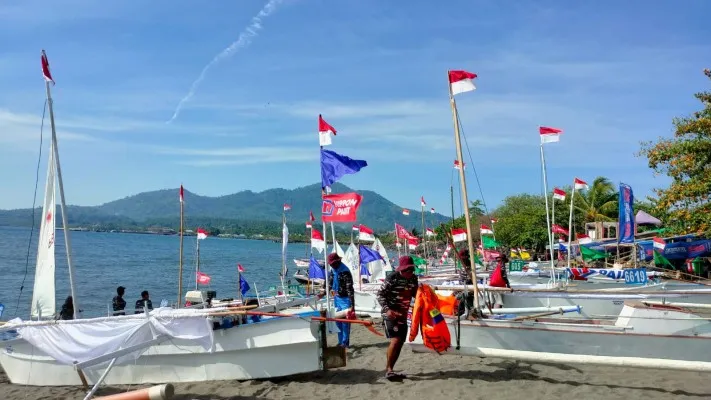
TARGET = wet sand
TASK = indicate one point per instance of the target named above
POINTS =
(430, 377)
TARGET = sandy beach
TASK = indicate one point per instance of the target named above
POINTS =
(430, 376)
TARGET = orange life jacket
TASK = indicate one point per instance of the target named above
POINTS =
(429, 321)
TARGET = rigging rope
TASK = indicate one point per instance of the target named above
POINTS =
(34, 202)
(471, 161)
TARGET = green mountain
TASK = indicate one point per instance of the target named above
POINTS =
(241, 212)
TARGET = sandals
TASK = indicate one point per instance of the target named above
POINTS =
(395, 376)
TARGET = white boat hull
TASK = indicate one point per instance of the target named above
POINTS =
(677, 341)
(273, 348)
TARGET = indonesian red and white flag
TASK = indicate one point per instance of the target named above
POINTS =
(311, 216)
(365, 234)
(583, 238)
(494, 220)
(401, 232)
(287, 207)
(659, 243)
(405, 211)
(325, 130)
(461, 81)
(182, 199)
(203, 279)
(549, 135)
(456, 165)
(432, 211)
(240, 268)
(308, 225)
(558, 194)
(45, 68)
(486, 230)
(580, 184)
(201, 234)
(422, 201)
(412, 243)
(430, 232)
(356, 228)
(459, 235)
(317, 241)
(559, 229)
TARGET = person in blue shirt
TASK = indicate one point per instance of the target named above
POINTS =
(341, 281)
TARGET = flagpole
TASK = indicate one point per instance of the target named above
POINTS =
(570, 223)
(424, 232)
(62, 203)
(239, 285)
(548, 221)
(197, 266)
(447, 234)
(463, 183)
(180, 262)
(360, 277)
(283, 252)
(397, 242)
(325, 267)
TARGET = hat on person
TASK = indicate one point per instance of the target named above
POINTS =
(333, 257)
(405, 262)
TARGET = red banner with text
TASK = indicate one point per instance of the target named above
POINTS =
(341, 207)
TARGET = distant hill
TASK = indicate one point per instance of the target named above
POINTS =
(244, 209)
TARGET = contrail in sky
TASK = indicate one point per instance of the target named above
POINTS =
(244, 40)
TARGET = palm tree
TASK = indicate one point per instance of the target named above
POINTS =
(599, 202)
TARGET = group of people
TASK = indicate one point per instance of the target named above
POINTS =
(119, 304)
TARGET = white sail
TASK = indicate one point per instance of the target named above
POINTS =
(43, 301)
(351, 260)
(378, 269)
(284, 243)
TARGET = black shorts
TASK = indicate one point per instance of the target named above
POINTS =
(395, 328)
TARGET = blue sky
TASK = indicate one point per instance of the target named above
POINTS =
(610, 73)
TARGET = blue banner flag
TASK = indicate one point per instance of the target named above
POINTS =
(243, 285)
(334, 166)
(315, 270)
(368, 255)
(625, 230)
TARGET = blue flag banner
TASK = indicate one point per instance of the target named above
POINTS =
(2, 309)
(364, 270)
(243, 285)
(625, 230)
(676, 251)
(334, 166)
(368, 255)
(315, 270)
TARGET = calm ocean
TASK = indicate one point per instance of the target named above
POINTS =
(103, 261)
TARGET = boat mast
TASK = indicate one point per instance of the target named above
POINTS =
(548, 221)
(465, 199)
(65, 227)
(197, 265)
(180, 262)
(424, 231)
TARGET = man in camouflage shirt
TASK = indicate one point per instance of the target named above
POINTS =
(394, 297)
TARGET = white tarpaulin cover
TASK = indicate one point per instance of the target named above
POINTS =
(85, 339)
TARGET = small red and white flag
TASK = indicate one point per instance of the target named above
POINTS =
(202, 279)
(308, 225)
(311, 216)
(201, 234)
(398, 245)
(365, 234)
(583, 238)
(456, 165)
(659, 243)
(317, 241)
(461, 81)
(549, 135)
(494, 220)
(182, 199)
(240, 268)
(324, 132)
(580, 184)
(430, 232)
(405, 211)
(287, 207)
(486, 230)
(412, 243)
(558, 194)
(45, 68)
(559, 229)
(432, 211)
(356, 228)
(422, 201)
(459, 235)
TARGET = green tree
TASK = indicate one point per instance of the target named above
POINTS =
(476, 208)
(521, 222)
(599, 202)
(686, 159)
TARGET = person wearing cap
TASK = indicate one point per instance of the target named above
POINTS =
(394, 297)
(118, 302)
(343, 295)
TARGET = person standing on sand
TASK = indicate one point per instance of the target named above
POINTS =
(118, 302)
(343, 295)
(394, 297)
